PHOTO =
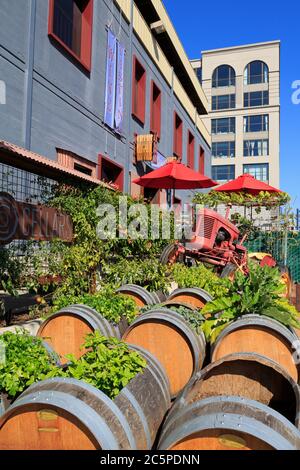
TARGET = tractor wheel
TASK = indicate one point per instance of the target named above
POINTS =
(168, 255)
(228, 271)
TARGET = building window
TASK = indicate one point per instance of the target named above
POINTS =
(256, 72)
(138, 90)
(256, 98)
(177, 145)
(223, 102)
(260, 171)
(201, 160)
(256, 148)
(110, 172)
(223, 149)
(199, 74)
(224, 75)
(223, 172)
(191, 150)
(70, 23)
(257, 123)
(223, 125)
(155, 109)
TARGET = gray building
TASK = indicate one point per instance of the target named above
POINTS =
(55, 90)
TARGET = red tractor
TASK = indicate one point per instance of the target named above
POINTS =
(216, 241)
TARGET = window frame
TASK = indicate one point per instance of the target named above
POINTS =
(246, 148)
(230, 147)
(231, 125)
(139, 91)
(224, 166)
(264, 72)
(216, 99)
(177, 136)
(112, 163)
(247, 94)
(85, 59)
(260, 165)
(231, 81)
(201, 167)
(247, 123)
(155, 110)
(190, 150)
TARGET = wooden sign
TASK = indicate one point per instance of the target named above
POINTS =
(24, 221)
(145, 148)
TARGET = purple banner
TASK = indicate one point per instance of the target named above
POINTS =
(119, 112)
(110, 90)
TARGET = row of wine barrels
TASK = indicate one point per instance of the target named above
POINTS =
(193, 296)
(247, 375)
(68, 414)
(262, 335)
(140, 295)
(228, 423)
(172, 341)
(65, 330)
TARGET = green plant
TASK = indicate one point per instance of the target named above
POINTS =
(199, 276)
(108, 304)
(109, 364)
(258, 293)
(263, 199)
(192, 317)
(149, 273)
(26, 361)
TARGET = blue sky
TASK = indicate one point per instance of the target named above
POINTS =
(210, 25)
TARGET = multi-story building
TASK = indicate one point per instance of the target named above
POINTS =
(83, 78)
(242, 87)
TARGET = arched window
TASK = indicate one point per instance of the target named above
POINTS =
(256, 72)
(224, 75)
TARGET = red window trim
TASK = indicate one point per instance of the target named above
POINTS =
(86, 36)
(155, 111)
(177, 138)
(120, 179)
(139, 113)
(191, 150)
(201, 160)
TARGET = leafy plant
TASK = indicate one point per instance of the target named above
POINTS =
(199, 276)
(263, 199)
(108, 304)
(149, 273)
(109, 364)
(26, 361)
(259, 293)
(192, 317)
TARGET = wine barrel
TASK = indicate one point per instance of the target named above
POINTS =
(228, 423)
(262, 335)
(66, 329)
(140, 295)
(172, 341)
(68, 414)
(246, 375)
(193, 296)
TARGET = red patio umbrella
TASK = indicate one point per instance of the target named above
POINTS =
(248, 184)
(174, 175)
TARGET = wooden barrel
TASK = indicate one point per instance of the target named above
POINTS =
(66, 329)
(68, 414)
(262, 335)
(246, 375)
(177, 303)
(172, 341)
(140, 295)
(193, 296)
(228, 423)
